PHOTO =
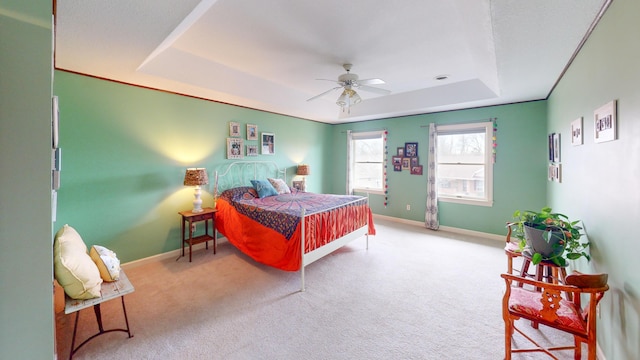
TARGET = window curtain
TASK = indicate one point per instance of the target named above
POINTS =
(431, 213)
(349, 160)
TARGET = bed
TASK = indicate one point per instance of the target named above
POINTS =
(271, 229)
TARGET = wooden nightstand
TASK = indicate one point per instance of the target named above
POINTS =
(188, 218)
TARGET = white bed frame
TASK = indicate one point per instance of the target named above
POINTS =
(240, 173)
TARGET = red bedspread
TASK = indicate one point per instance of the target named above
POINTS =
(240, 212)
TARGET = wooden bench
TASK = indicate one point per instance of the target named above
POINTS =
(108, 291)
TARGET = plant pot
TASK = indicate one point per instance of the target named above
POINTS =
(538, 244)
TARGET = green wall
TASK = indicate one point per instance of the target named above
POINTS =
(521, 151)
(600, 181)
(125, 150)
(26, 254)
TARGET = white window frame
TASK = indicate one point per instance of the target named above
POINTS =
(488, 162)
(355, 136)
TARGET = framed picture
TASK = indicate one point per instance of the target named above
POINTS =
(234, 129)
(298, 185)
(555, 172)
(576, 131)
(556, 147)
(416, 170)
(397, 167)
(234, 148)
(396, 160)
(604, 122)
(268, 143)
(406, 163)
(252, 132)
(400, 151)
(414, 161)
(411, 149)
(252, 150)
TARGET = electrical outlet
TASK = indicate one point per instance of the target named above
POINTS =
(193, 228)
(408, 207)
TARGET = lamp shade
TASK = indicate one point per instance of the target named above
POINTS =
(196, 176)
(303, 170)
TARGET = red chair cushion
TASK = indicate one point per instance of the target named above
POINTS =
(528, 302)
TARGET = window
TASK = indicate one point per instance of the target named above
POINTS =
(366, 166)
(464, 165)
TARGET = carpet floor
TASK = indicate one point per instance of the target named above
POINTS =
(414, 294)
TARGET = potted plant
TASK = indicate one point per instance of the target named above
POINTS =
(549, 236)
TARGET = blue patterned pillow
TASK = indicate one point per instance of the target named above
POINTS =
(264, 188)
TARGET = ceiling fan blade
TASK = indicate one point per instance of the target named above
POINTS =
(325, 93)
(333, 81)
(374, 90)
(371, 82)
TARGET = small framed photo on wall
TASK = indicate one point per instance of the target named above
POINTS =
(400, 152)
(252, 132)
(406, 163)
(234, 129)
(234, 148)
(268, 143)
(411, 149)
(252, 150)
(604, 122)
(416, 170)
(576, 132)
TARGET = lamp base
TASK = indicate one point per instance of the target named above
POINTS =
(197, 202)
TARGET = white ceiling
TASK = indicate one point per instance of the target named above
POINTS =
(267, 55)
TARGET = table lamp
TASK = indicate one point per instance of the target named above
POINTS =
(196, 177)
(303, 170)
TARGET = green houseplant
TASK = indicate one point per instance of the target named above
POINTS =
(549, 236)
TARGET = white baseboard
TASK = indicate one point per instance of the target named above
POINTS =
(173, 254)
(177, 252)
(450, 229)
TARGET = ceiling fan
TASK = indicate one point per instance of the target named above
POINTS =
(350, 83)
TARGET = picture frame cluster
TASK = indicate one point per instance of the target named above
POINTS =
(406, 158)
(235, 144)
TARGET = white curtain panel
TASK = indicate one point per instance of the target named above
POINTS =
(349, 159)
(431, 213)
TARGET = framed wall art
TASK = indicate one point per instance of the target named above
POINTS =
(252, 150)
(252, 132)
(400, 152)
(234, 129)
(234, 148)
(604, 122)
(416, 170)
(268, 143)
(411, 149)
(406, 163)
(576, 132)
(554, 147)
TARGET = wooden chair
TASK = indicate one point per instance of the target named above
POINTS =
(548, 307)
(512, 250)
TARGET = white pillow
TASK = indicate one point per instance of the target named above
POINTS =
(107, 262)
(73, 267)
(280, 186)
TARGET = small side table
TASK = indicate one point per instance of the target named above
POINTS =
(108, 291)
(188, 218)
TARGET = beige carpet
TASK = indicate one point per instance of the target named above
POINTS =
(415, 294)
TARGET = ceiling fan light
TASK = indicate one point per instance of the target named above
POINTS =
(343, 99)
(355, 98)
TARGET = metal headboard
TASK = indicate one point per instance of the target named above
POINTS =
(240, 173)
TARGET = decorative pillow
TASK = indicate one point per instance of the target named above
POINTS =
(107, 262)
(264, 188)
(280, 186)
(73, 267)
